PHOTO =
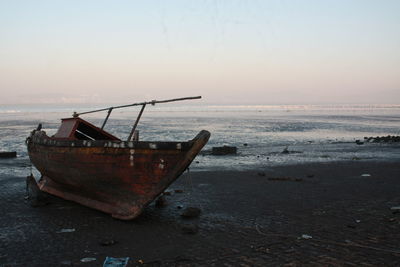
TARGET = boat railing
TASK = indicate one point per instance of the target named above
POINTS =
(143, 104)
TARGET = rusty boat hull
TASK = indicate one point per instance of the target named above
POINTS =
(113, 176)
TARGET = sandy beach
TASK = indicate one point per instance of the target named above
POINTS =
(322, 214)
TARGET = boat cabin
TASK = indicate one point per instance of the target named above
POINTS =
(79, 129)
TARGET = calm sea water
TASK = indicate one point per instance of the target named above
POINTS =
(312, 133)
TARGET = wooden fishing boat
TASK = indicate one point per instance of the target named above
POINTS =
(88, 165)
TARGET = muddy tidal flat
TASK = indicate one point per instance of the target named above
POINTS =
(320, 214)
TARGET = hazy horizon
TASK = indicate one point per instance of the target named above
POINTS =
(229, 52)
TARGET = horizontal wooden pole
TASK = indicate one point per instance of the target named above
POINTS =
(153, 102)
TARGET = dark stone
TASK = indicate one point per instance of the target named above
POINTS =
(261, 174)
(358, 142)
(161, 201)
(35, 196)
(191, 212)
(245, 144)
(8, 154)
(285, 151)
(383, 139)
(107, 242)
(285, 178)
(224, 150)
(167, 193)
(178, 191)
(189, 228)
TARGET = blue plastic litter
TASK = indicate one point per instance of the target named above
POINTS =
(115, 262)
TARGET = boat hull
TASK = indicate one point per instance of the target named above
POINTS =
(116, 177)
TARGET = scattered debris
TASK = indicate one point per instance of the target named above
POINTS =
(190, 228)
(116, 262)
(66, 230)
(107, 242)
(141, 261)
(179, 207)
(12, 154)
(304, 236)
(347, 243)
(352, 226)
(224, 150)
(285, 179)
(191, 212)
(365, 175)
(167, 193)
(285, 151)
(178, 191)
(88, 259)
(161, 202)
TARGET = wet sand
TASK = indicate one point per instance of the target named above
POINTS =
(302, 215)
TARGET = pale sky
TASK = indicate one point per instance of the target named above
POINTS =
(232, 51)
